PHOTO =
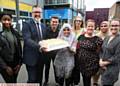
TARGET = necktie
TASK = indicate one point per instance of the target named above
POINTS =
(39, 31)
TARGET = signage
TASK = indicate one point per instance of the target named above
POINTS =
(61, 13)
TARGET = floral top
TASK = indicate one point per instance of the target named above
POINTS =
(88, 55)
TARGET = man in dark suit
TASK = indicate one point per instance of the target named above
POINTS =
(33, 32)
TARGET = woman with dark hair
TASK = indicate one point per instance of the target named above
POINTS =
(10, 50)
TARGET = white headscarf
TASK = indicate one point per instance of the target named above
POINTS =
(71, 38)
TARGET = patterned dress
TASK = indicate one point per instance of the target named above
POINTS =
(87, 52)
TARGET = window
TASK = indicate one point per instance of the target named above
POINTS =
(22, 13)
(9, 11)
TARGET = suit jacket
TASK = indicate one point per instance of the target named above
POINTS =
(31, 52)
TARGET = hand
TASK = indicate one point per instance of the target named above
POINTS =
(103, 63)
(43, 49)
(104, 67)
(9, 71)
(17, 68)
(106, 62)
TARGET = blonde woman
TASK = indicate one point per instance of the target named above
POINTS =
(78, 30)
(78, 26)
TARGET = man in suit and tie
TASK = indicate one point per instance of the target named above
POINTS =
(33, 32)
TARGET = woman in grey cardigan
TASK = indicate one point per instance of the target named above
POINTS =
(110, 55)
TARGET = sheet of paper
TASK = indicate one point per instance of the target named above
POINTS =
(53, 44)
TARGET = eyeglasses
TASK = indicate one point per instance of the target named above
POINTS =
(66, 29)
(115, 25)
(78, 21)
(36, 12)
(114, 29)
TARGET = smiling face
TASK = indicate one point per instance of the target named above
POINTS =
(6, 21)
(114, 27)
(36, 13)
(54, 22)
(104, 27)
(66, 31)
(90, 27)
(78, 21)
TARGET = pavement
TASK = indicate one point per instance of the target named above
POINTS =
(22, 77)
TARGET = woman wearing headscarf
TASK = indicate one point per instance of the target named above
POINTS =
(64, 61)
(104, 32)
(110, 55)
(10, 50)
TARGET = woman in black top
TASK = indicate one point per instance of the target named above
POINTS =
(10, 50)
(87, 53)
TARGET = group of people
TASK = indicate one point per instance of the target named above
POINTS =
(90, 54)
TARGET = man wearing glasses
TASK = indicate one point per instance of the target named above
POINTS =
(33, 32)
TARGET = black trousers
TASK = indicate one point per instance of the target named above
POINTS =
(48, 58)
(8, 78)
(86, 80)
(62, 80)
(35, 73)
(108, 85)
(76, 72)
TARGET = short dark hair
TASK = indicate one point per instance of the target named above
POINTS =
(4, 13)
(34, 6)
(55, 17)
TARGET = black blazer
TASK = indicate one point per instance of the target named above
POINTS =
(31, 48)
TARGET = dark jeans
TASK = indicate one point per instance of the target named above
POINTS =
(35, 73)
(48, 58)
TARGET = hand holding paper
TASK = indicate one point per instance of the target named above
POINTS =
(53, 44)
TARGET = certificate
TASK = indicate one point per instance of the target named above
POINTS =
(54, 44)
